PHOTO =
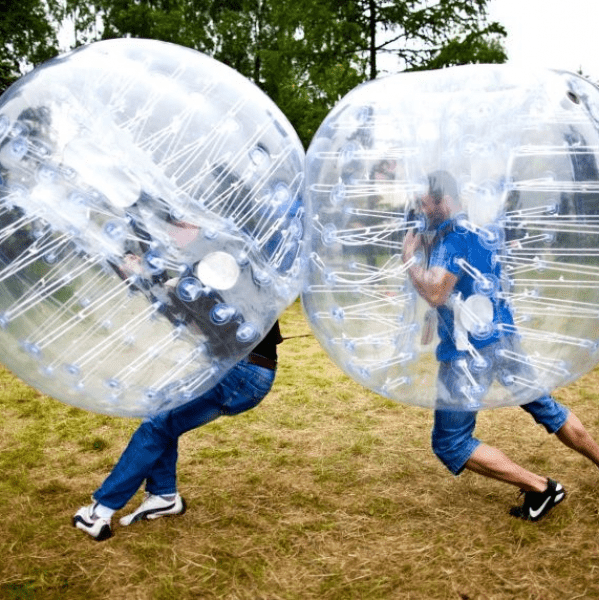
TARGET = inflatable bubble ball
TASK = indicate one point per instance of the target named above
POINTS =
(151, 224)
(453, 235)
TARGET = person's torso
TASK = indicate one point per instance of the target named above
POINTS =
(478, 272)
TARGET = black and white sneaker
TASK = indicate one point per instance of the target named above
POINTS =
(87, 520)
(538, 504)
(154, 507)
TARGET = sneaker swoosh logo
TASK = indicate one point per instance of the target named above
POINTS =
(535, 513)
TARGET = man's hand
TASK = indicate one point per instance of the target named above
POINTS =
(434, 284)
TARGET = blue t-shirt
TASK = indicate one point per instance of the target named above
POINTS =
(462, 253)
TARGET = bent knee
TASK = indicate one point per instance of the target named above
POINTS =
(454, 454)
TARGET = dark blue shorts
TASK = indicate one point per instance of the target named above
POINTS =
(453, 441)
(460, 391)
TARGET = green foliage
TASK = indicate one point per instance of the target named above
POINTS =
(26, 34)
(423, 35)
(468, 49)
(182, 22)
(304, 54)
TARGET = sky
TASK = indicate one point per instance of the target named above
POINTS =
(558, 34)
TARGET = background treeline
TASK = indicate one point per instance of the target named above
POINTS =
(305, 54)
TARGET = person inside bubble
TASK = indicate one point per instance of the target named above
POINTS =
(456, 272)
(151, 454)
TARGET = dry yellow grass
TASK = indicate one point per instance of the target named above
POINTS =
(323, 491)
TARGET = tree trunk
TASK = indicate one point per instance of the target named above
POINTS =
(372, 38)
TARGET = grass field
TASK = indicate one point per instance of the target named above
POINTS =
(323, 491)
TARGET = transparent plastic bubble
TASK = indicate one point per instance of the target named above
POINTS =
(520, 148)
(147, 192)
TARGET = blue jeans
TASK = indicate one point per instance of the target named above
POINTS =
(152, 451)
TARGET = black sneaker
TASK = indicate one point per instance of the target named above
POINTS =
(538, 504)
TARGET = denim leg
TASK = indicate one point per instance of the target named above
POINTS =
(162, 479)
(152, 451)
(152, 454)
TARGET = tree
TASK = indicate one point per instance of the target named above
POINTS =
(26, 36)
(297, 51)
(305, 54)
(183, 22)
(426, 34)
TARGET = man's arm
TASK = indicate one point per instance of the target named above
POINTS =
(434, 284)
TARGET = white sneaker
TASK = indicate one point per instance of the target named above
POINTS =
(154, 507)
(87, 520)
